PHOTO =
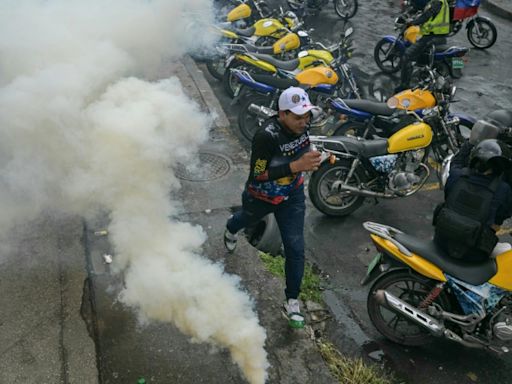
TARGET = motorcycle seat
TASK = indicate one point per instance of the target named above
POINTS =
(288, 65)
(275, 81)
(373, 107)
(246, 32)
(470, 272)
(366, 148)
(268, 50)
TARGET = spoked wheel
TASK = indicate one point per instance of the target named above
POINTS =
(482, 33)
(216, 67)
(325, 189)
(248, 121)
(412, 289)
(387, 56)
(345, 9)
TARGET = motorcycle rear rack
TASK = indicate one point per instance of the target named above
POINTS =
(386, 232)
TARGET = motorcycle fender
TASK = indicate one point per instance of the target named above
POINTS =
(466, 119)
(392, 39)
(503, 278)
(240, 12)
(472, 21)
(381, 264)
(415, 262)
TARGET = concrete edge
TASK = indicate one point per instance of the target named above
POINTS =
(212, 103)
(497, 9)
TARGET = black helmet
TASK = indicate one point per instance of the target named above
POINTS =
(490, 154)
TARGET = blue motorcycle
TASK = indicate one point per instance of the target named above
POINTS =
(368, 119)
(389, 52)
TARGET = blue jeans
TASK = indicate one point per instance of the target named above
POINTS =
(290, 218)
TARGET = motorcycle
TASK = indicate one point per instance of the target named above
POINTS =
(263, 32)
(480, 30)
(419, 293)
(345, 9)
(367, 118)
(247, 13)
(378, 168)
(335, 56)
(389, 52)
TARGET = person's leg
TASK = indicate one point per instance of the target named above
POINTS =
(252, 211)
(411, 54)
(290, 219)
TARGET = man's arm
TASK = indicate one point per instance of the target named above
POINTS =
(431, 10)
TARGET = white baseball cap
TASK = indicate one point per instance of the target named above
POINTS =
(296, 100)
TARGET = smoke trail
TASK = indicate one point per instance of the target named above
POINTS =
(79, 132)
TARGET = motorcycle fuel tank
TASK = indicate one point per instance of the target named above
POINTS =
(503, 278)
(414, 136)
(269, 27)
(240, 12)
(415, 99)
(286, 43)
(317, 75)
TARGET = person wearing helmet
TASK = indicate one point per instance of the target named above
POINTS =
(280, 154)
(477, 201)
(434, 24)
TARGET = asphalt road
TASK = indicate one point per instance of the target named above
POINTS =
(341, 248)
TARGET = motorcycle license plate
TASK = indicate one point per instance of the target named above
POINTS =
(457, 63)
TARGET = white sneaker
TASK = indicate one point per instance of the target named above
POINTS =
(230, 240)
(292, 312)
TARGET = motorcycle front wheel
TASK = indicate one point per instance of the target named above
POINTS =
(387, 56)
(248, 121)
(411, 288)
(345, 9)
(216, 67)
(325, 188)
(482, 33)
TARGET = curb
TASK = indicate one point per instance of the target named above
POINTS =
(496, 8)
(212, 103)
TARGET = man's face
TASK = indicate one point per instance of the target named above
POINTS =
(295, 123)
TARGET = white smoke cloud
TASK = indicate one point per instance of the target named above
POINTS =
(80, 131)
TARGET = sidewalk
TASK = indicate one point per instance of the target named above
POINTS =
(501, 8)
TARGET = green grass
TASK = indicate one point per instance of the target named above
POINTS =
(311, 282)
(346, 370)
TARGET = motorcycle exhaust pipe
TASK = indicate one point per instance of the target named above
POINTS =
(395, 304)
(357, 191)
(262, 111)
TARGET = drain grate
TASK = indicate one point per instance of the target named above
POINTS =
(211, 166)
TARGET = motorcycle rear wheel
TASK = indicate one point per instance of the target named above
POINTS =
(411, 288)
(324, 189)
(389, 61)
(485, 36)
(248, 122)
(345, 9)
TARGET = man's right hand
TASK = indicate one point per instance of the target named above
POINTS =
(310, 161)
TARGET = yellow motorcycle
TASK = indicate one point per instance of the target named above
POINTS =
(419, 293)
(334, 56)
(248, 12)
(386, 168)
(366, 118)
(263, 32)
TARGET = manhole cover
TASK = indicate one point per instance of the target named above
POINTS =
(210, 166)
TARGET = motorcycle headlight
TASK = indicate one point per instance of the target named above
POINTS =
(392, 102)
